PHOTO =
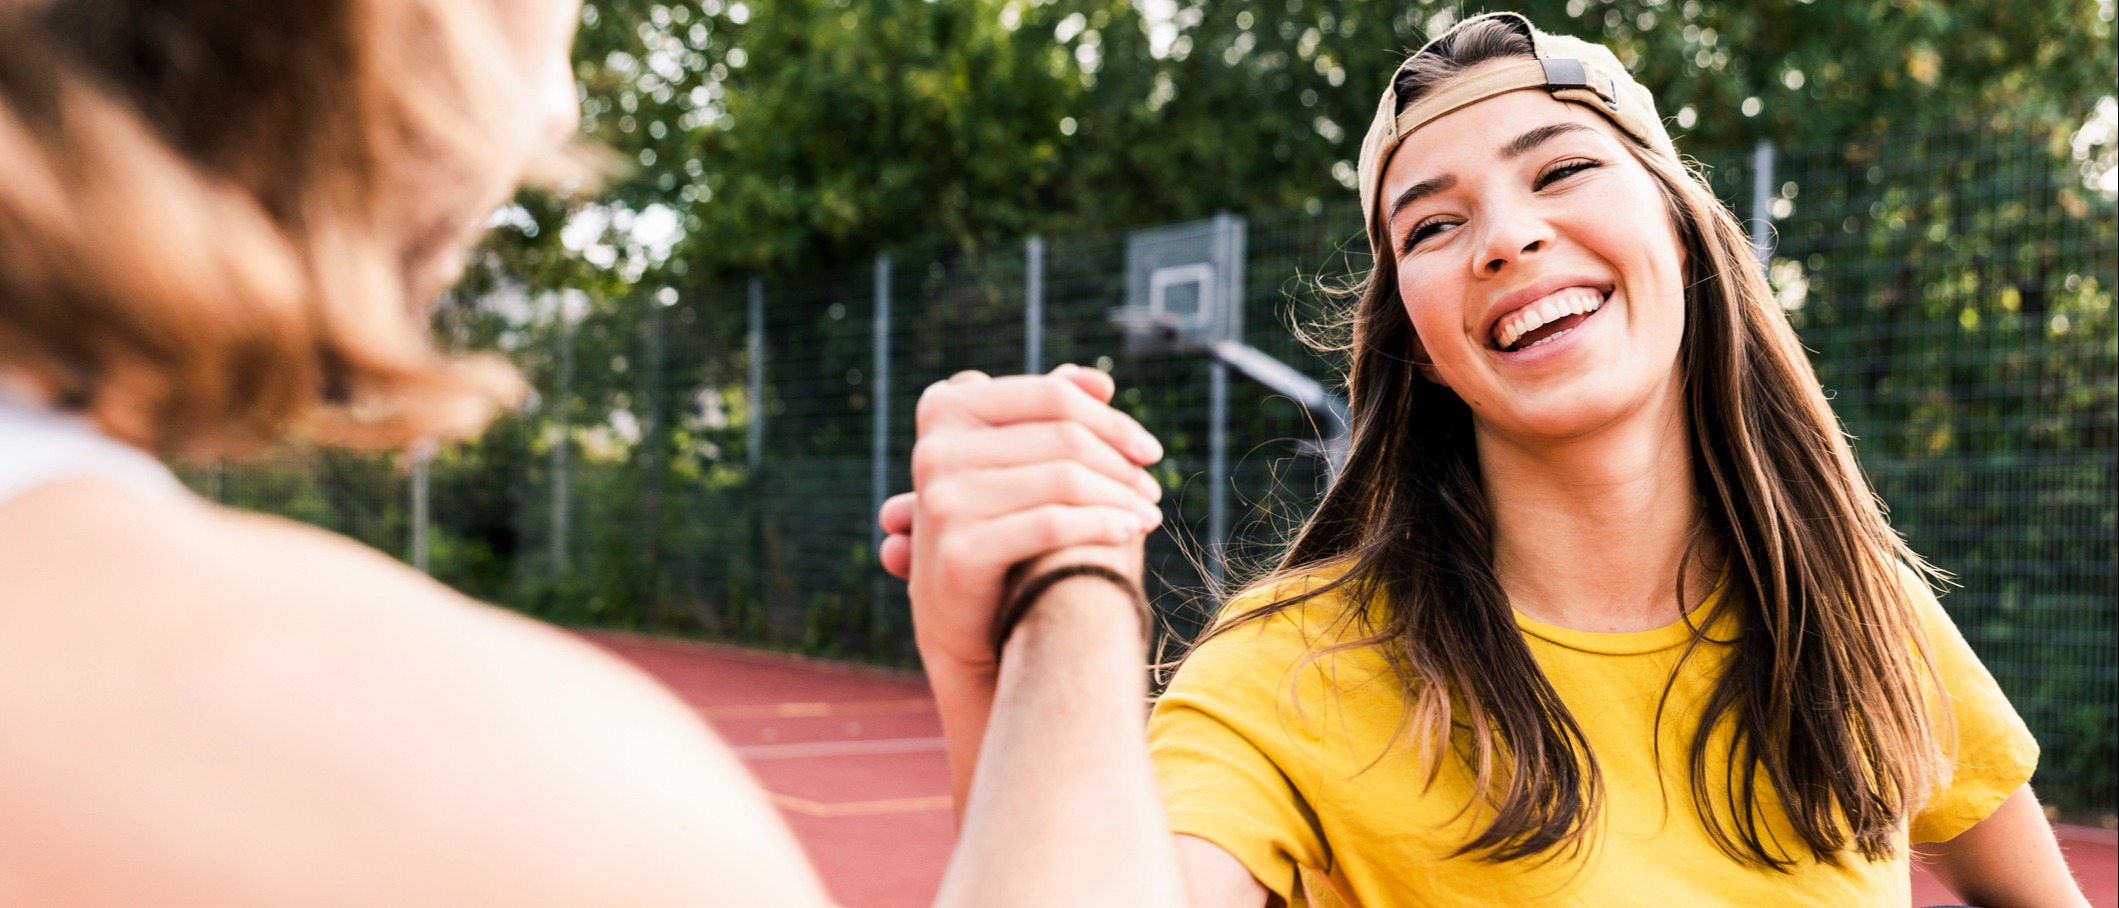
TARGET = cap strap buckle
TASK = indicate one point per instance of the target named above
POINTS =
(1566, 72)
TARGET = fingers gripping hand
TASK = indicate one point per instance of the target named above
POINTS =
(1006, 470)
(1022, 449)
(1020, 444)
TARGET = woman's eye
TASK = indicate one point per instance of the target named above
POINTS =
(1564, 170)
(1423, 231)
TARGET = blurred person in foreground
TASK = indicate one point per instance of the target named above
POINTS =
(220, 225)
(1600, 611)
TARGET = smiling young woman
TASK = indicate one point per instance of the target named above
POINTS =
(1601, 610)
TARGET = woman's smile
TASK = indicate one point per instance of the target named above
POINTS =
(1546, 315)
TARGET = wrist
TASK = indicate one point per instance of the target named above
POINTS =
(941, 664)
(1087, 606)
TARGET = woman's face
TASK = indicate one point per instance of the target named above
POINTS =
(1538, 263)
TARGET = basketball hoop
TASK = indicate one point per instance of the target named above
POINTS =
(1149, 333)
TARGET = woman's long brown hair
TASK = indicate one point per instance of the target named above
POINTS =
(1828, 695)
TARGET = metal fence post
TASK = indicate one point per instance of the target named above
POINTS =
(648, 545)
(422, 459)
(879, 465)
(1762, 201)
(651, 379)
(754, 444)
(562, 411)
(1034, 305)
(754, 434)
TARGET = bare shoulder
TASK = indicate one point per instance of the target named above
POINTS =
(324, 726)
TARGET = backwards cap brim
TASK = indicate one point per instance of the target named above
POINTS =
(1571, 69)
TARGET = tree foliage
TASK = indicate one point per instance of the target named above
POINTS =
(790, 132)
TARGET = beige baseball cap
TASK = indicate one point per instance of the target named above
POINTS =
(1571, 69)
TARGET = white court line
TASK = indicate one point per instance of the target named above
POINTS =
(810, 710)
(854, 748)
(861, 808)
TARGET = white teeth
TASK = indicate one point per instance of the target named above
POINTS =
(1572, 301)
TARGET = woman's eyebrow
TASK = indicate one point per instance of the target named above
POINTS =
(1537, 137)
(1419, 191)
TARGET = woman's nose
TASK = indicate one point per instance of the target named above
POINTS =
(1512, 232)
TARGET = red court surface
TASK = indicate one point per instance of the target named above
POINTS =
(853, 758)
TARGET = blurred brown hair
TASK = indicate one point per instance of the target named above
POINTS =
(220, 219)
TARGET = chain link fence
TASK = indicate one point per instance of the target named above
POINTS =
(710, 464)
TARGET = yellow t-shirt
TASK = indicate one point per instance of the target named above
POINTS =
(1299, 771)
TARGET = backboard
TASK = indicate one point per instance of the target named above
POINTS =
(1184, 286)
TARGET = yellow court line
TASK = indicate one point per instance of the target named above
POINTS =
(814, 709)
(860, 808)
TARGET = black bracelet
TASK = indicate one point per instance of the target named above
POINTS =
(1027, 595)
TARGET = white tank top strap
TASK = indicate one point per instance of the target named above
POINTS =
(38, 446)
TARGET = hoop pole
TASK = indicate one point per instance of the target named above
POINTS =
(1217, 476)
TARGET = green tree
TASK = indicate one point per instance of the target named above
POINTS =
(791, 132)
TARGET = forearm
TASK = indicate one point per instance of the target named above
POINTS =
(963, 696)
(1063, 808)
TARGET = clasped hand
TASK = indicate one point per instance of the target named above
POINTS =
(1007, 471)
